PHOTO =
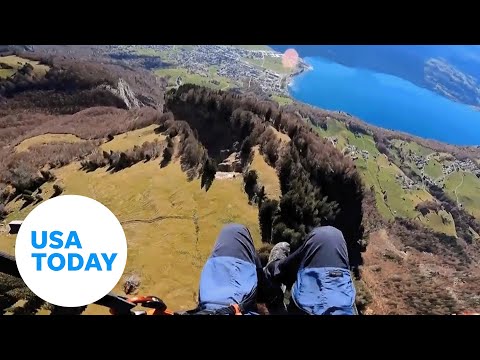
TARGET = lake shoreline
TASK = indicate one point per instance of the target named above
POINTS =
(303, 68)
(390, 102)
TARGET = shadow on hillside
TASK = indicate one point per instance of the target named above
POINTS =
(164, 162)
(207, 181)
(26, 203)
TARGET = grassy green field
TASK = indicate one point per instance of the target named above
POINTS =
(144, 51)
(467, 188)
(17, 62)
(129, 139)
(280, 135)
(267, 176)
(442, 222)
(401, 147)
(382, 175)
(270, 63)
(378, 172)
(46, 139)
(345, 137)
(413, 146)
(187, 77)
(433, 168)
(335, 129)
(5, 73)
(282, 100)
(166, 55)
(254, 47)
(168, 254)
(468, 191)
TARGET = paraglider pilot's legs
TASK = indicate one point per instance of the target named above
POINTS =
(319, 273)
(232, 272)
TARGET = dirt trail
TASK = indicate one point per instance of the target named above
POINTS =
(458, 186)
(158, 218)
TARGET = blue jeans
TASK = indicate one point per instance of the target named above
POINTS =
(318, 273)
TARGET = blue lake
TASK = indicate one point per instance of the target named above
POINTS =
(387, 101)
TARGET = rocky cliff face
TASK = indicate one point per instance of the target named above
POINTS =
(124, 92)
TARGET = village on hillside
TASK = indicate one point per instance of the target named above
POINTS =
(238, 64)
(420, 162)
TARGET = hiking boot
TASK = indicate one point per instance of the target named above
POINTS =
(279, 252)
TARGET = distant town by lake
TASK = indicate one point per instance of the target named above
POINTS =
(386, 101)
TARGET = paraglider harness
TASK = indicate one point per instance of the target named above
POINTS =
(120, 305)
(245, 307)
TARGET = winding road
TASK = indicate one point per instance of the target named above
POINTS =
(455, 191)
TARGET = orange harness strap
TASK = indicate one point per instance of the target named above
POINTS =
(159, 312)
(237, 309)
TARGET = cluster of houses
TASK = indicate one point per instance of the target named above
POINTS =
(230, 62)
(447, 167)
(354, 153)
(458, 165)
(419, 161)
(406, 182)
